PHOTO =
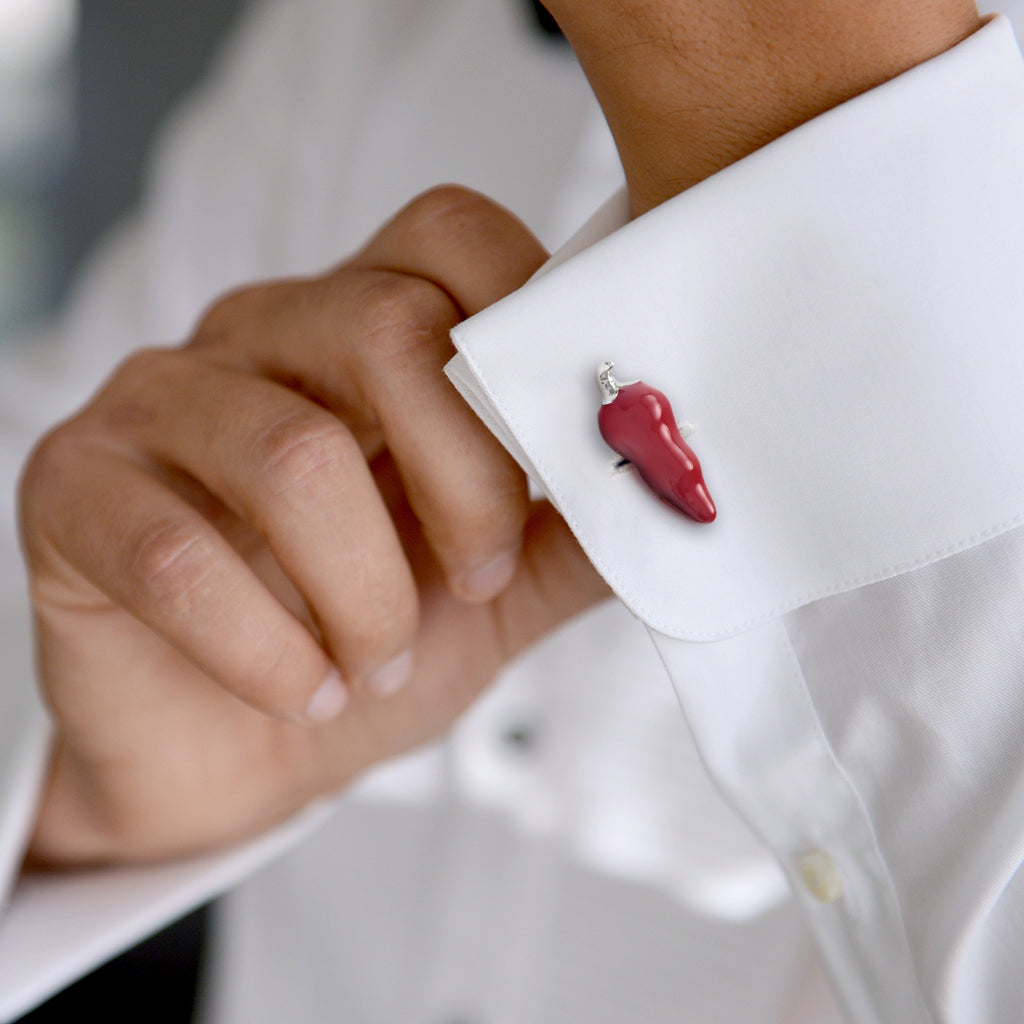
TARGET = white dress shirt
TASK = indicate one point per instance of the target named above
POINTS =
(839, 315)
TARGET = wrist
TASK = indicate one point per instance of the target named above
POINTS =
(690, 87)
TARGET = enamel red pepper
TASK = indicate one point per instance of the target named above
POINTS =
(636, 421)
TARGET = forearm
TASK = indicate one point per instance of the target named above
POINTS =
(689, 87)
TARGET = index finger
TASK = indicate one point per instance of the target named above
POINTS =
(465, 243)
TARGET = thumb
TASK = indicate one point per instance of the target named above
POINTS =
(555, 582)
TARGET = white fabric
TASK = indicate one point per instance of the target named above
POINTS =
(860, 418)
(838, 314)
(800, 369)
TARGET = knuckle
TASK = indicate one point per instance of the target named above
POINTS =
(48, 464)
(403, 314)
(134, 399)
(224, 315)
(168, 562)
(448, 211)
(144, 370)
(236, 313)
(442, 204)
(308, 453)
(53, 488)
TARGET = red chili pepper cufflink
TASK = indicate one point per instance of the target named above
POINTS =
(636, 421)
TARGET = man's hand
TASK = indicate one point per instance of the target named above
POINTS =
(244, 548)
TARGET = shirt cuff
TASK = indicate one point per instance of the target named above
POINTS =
(839, 315)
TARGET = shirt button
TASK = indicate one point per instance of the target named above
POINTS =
(820, 876)
(520, 737)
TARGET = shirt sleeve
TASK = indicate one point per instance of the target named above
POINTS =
(838, 315)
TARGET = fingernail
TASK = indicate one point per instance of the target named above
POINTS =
(391, 677)
(489, 580)
(329, 699)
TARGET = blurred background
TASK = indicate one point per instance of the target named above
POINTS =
(37, 136)
(83, 85)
